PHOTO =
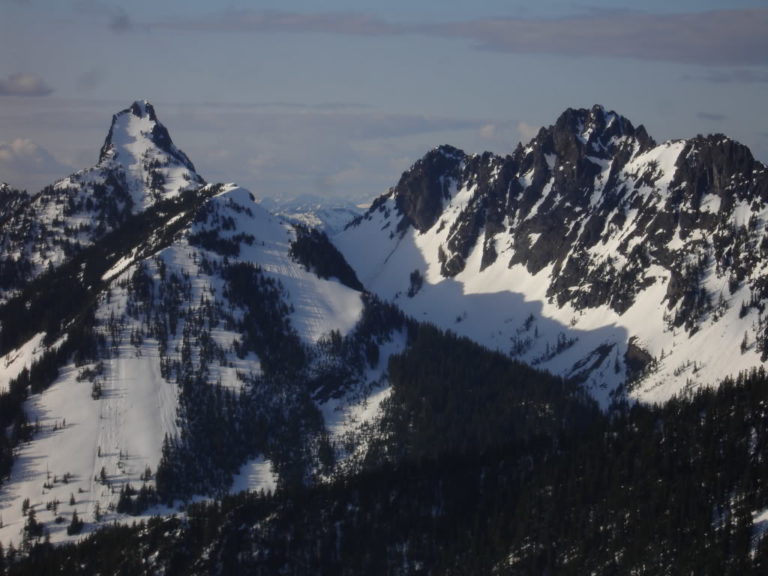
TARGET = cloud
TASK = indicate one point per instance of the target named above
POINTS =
(354, 119)
(724, 37)
(342, 23)
(711, 116)
(731, 76)
(24, 85)
(526, 131)
(19, 148)
(27, 165)
(120, 21)
(488, 131)
(343, 151)
(90, 79)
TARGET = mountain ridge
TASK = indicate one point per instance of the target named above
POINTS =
(191, 343)
(604, 227)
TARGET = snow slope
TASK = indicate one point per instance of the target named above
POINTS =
(17, 360)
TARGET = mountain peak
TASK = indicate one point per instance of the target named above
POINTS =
(134, 131)
(421, 192)
(582, 120)
(142, 109)
(140, 148)
(138, 167)
(598, 130)
(448, 151)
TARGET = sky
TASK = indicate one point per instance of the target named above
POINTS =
(338, 98)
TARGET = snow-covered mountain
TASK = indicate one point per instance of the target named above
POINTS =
(138, 166)
(140, 154)
(591, 252)
(181, 342)
(175, 339)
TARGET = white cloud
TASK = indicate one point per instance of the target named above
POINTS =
(24, 164)
(488, 131)
(526, 131)
(21, 151)
(24, 85)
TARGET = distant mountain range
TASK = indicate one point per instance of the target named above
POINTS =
(326, 214)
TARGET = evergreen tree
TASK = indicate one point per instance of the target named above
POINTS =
(76, 525)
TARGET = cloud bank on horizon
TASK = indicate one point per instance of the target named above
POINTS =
(289, 100)
(717, 37)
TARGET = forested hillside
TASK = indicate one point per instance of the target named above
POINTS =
(678, 489)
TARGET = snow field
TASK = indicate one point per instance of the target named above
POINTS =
(122, 433)
(16, 360)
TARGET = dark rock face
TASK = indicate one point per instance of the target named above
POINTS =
(423, 189)
(636, 359)
(566, 158)
(716, 165)
(590, 181)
